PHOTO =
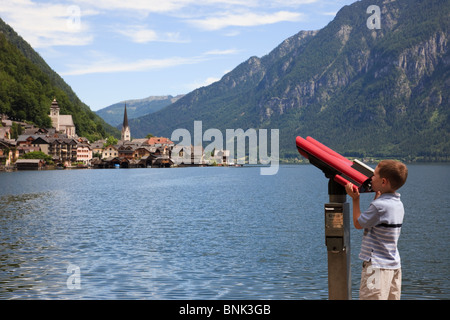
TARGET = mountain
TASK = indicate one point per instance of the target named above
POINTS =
(136, 108)
(363, 92)
(29, 85)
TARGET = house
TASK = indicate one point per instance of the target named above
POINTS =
(63, 150)
(126, 151)
(135, 143)
(29, 164)
(162, 162)
(8, 152)
(43, 144)
(97, 147)
(84, 153)
(5, 121)
(139, 141)
(221, 157)
(32, 131)
(25, 144)
(23, 149)
(5, 132)
(110, 151)
(118, 162)
(187, 155)
(25, 140)
(143, 151)
(159, 142)
(146, 161)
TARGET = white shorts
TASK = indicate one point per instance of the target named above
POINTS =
(380, 284)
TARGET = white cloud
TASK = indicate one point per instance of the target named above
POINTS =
(166, 6)
(329, 13)
(97, 62)
(159, 6)
(52, 23)
(142, 6)
(291, 3)
(209, 81)
(111, 65)
(198, 84)
(47, 24)
(248, 19)
(141, 34)
(221, 52)
(232, 33)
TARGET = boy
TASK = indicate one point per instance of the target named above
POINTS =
(382, 221)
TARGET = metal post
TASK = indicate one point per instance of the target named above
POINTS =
(337, 240)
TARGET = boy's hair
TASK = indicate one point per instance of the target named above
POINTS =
(394, 171)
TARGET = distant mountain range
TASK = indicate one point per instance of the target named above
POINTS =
(362, 91)
(136, 108)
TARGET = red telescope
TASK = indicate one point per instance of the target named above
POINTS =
(334, 165)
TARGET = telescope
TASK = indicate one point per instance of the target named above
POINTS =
(335, 166)
(340, 171)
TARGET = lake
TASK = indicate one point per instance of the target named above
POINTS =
(199, 233)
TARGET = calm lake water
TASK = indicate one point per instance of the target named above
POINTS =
(199, 233)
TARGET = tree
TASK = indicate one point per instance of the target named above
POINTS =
(38, 155)
(16, 130)
(110, 141)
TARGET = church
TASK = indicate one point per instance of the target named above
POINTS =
(126, 134)
(62, 123)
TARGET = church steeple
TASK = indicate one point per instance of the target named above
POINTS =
(54, 114)
(126, 134)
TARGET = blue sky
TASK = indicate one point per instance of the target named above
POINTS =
(115, 50)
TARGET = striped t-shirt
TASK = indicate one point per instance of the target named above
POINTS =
(382, 223)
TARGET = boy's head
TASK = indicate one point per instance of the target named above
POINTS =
(394, 172)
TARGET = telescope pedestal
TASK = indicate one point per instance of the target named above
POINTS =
(337, 240)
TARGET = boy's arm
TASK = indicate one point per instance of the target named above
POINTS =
(354, 194)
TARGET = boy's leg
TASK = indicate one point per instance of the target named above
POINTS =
(379, 284)
(370, 288)
(396, 285)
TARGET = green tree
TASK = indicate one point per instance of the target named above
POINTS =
(38, 155)
(16, 130)
(110, 141)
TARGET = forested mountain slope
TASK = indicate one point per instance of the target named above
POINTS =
(28, 86)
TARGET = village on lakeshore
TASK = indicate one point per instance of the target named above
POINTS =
(25, 146)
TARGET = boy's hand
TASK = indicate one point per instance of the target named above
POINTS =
(351, 191)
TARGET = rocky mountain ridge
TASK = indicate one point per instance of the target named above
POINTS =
(362, 91)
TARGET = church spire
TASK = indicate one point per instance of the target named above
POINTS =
(126, 134)
(125, 117)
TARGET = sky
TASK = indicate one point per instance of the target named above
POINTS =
(111, 51)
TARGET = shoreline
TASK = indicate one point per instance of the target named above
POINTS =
(281, 163)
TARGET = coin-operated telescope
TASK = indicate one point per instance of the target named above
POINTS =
(340, 171)
(336, 166)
